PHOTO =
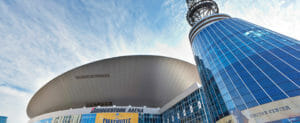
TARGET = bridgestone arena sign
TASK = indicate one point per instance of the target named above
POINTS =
(128, 109)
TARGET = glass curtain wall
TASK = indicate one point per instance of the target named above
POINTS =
(192, 109)
(217, 108)
(251, 65)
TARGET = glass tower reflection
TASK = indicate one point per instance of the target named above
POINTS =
(214, 101)
(250, 65)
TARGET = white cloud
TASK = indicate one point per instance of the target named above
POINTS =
(278, 15)
(13, 104)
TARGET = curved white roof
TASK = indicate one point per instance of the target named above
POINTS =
(129, 80)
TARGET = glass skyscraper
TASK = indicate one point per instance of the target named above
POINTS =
(255, 70)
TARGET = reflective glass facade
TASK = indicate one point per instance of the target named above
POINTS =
(150, 118)
(192, 109)
(88, 118)
(250, 65)
(216, 105)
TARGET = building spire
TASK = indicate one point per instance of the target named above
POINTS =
(198, 9)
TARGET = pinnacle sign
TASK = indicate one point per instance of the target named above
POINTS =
(117, 118)
(116, 121)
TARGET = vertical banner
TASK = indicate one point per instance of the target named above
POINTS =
(117, 118)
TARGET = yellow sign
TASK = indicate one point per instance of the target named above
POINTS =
(117, 118)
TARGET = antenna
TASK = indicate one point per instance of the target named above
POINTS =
(199, 9)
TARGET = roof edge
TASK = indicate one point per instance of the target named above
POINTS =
(125, 56)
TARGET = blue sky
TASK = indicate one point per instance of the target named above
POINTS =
(40, 40)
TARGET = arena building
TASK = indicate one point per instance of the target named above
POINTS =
(126, 89)
(248, 74)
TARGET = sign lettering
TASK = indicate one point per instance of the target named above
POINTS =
(271, 111)
(92, 76)
(128, 109)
